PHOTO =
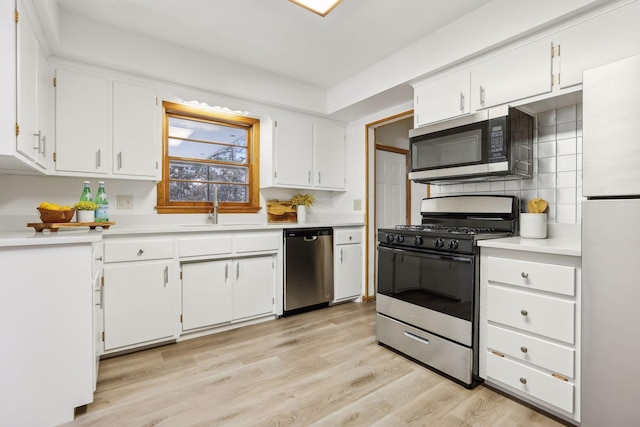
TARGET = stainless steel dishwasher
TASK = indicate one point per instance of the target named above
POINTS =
(308, 269)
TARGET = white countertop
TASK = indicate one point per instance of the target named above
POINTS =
(29, 237)
(556, 246)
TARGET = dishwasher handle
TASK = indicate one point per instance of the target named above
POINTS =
(310, 239)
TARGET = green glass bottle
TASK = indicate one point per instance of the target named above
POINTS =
(86, 195)
(102, 214)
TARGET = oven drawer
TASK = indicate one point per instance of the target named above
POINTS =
(540, 314)
(450, 358)
(533, 350)
(559, 279)
(531, 382)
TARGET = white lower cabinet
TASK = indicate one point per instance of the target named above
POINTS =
(139, 293)
(221, 291)
(530, 327)
(347, 264)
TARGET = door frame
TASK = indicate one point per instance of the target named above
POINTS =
(371, 243)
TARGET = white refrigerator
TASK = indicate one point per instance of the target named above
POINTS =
(610, 369)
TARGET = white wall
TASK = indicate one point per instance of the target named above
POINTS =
(557, 168)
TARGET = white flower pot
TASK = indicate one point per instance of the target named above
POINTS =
(302, 214)
(85, 216)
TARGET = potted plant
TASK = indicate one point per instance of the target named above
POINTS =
(302, 202)
(85, 211)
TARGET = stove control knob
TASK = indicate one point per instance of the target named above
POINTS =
(438, 243)
(390, 238)
(400, 238)
(418, 241)
(453, 244)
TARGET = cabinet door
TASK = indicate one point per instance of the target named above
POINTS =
(27, 90)
(517, 74)
(293, 151)
(82, 123)
(329, 156)
(586, 46)
(347, 272)
(136, 147)
(138, 303)
(206, 294)
(442, 98)
(254, 287)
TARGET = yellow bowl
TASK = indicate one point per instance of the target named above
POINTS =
(53, 216)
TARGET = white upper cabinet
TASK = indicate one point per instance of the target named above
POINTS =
(517, 74)
(136, 146)
(293, 148)
(34, 106)
(586, 45)
(106, 127)
(329, 156)
(82, 123)
(304, 153)
(443, 98)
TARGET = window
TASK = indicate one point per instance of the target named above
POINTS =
(207, 154)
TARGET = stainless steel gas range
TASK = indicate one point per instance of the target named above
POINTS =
(428, 281)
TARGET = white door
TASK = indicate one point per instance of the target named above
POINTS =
(391, 189)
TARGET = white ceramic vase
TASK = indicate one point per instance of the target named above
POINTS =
(85, 216)
(302, 214)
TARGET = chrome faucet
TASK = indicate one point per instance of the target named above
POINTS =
(213, 213)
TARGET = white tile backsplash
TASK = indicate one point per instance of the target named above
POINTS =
(557, 168)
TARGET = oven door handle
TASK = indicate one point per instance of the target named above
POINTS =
(442, 257)
(416, 337)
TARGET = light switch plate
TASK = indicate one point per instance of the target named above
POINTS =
(124, 202)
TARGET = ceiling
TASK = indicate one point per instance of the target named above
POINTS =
(280, 37)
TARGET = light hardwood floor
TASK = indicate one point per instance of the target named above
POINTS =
(321, 368)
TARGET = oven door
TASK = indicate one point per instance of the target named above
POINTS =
(437, 281)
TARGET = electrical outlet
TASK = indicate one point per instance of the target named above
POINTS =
(124, 202)
(357, 205)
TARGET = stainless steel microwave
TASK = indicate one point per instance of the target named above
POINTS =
(490, 144)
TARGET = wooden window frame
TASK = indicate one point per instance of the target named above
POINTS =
(165, 206)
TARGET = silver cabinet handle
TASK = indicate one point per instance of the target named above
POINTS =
(237, 271)
(319, 177)
(98, 159)
(119, 159)
(38, 145)
(99, 258)
(44, 145)
(524, 275)
(166, 275)
(309, 177)
(226, 272)
(523, 380)
(102, 296)
(140, 252)
(524, 349)
(341, 255)
(482, 96)
(461, 102)
(524, 312)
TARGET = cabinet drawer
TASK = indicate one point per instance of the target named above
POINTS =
(532, 275)
(137, 250)
(539, 314)
(213, 245)
(539, 352)
(258, 242)
(540, 385)
(341, 237)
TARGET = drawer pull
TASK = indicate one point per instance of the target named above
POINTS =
(560, 377)
(415, 337)
(140, 252)
(497, 353)
(523, 380)
(523, 349)
(524, 274)
(524, 312)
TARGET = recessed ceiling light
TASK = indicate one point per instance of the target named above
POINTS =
(321, 7)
